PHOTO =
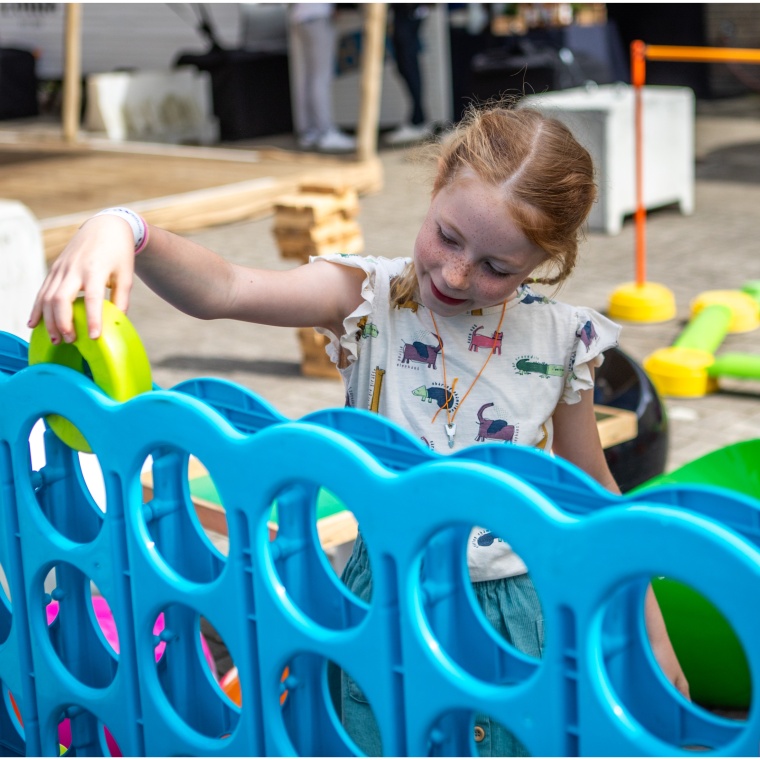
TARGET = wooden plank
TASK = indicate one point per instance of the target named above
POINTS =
(51, 183)
(615, 425)
(333, 230)
(293, 248)
(314, 360)
(316, 208)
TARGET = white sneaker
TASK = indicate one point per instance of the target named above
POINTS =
(308, 140)
(408, 133)
(335, 141)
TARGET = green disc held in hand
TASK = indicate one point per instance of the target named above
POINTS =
(116, 361)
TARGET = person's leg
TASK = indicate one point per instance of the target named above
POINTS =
(321, 62)
(299, 82)
(512, 607)
(406, 46)
(358, 718)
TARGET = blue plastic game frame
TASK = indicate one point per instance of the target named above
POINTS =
(422, 652)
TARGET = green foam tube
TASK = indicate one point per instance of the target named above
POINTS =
(706, 331)
(746, 366)
(752, 289)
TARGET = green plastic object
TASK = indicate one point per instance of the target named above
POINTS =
(204, 488)
(116, 361)
(752, 288)
(745, 366)
(711, 655)
(707, 330)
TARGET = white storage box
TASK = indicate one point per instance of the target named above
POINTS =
(171, 106)
(602, 118)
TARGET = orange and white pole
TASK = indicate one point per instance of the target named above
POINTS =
(640, 301)
(638, 77)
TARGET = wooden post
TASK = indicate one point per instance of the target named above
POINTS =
(72, 72)
(371, 79)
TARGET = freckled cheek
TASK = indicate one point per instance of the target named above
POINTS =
(425, 253)
(493, 291)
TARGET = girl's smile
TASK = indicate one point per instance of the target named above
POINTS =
(466, 256)
(445, 299)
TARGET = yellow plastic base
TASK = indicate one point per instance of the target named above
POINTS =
(681, 372)
(745, 310)
(649, 302)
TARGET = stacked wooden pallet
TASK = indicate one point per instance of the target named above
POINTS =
(318, 220)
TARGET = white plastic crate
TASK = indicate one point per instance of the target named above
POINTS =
(602, 118)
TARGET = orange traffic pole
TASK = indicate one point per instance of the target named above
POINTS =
(640, 301)
(638, 77)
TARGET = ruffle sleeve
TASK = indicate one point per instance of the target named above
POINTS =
(594, 334)
(375, 286)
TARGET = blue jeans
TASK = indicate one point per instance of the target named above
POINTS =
(513, 609)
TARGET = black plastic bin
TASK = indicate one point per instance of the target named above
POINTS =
(622, 383)
(18, 84)
(250, 91)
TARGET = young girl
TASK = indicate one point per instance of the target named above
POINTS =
(468, 352)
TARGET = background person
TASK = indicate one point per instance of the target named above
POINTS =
(407, 20)
(312, 61)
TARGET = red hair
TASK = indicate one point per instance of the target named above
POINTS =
(547, 177)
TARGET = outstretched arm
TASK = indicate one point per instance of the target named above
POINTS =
(576, 438)
(190, 277)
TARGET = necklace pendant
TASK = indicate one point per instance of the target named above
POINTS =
(451, 431)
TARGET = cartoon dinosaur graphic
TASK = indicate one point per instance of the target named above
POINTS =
(587, 334)
(542, 368)
(441, 396)
(496, 430)
(421, 352)
(482, 341)
(366, 329)
(530, 298)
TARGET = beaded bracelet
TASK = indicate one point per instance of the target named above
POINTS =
(135, 221)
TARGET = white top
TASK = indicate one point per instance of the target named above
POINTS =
(541, 358)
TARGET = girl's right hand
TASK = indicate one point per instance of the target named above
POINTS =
(101, 255)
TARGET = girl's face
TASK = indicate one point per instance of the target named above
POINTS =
(469, 254)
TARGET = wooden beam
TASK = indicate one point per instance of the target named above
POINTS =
(615, 425)
(198, 209)
(72, 72)
(371, 79)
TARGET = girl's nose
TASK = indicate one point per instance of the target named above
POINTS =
(456, 274)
